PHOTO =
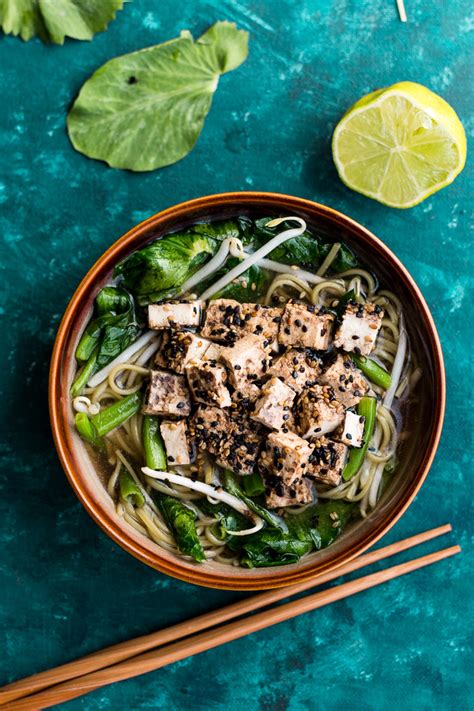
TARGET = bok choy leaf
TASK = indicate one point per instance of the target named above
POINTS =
(181, 522)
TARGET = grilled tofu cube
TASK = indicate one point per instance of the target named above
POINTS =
(317, 411)
(263, 321)
(327, 461)
(207, 382)
(298, 369)
(273, 408)
(211, 428)
(167, 394)
(278, 495)
(174, 314)
(179, 349)
(246, 361)
(175, 437)
(230, 439)
(285, 455)
(305, 326)
(223, 318)
(359, 327)
(228, 320)
(347, 381)
(352, 431)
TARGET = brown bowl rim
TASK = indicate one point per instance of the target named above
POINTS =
(61, 430)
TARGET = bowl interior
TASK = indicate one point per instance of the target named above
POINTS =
(422, 414)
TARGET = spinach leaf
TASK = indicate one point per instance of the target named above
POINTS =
(321, 523)
(232, 484)
(307, 250)
(158, 270)
(315, 528)
(269, 547)
(53, 20)
(113, 330)
(181, 522)
(249, 286)
(145, 110)
(228, 519)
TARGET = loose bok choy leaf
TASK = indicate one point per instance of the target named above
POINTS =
(307, 250)
(53, 20)
(227, 518)
(181, 522)
(113, 330)
(145, 110)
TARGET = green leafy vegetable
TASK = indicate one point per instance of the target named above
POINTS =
(315, 528)
(113, 330)
(86, 372)
(158, 270)
(253, 484)
(53, 20)
(181, 522)
(228, 519)
(129, 489)
(232, 483)
(307, 250)
(145, 110)
(249, 286)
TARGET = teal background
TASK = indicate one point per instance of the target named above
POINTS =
(65, 588)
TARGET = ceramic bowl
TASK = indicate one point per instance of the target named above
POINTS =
(423, 419)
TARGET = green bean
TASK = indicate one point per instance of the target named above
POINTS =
(366, 408)
(87, 430)
(88, 370)
(129, 490)
(375, 373)
(111, 417)
(155, 453)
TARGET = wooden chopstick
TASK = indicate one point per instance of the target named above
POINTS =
(119, 652)
(209, 639)
(212, 638)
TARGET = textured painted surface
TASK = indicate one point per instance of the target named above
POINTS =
(65, 588)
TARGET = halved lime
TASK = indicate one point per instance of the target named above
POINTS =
(399, 145)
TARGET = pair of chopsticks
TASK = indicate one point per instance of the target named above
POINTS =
(147, 653)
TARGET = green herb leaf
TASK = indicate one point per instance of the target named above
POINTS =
(53, 20)
(146, 109)
(158, 270)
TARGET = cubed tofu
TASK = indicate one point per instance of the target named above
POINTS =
(285, 455)
(347, 381)
(263, 321)
(273, 408)
(297, 368)
(246, 361)
(305, 326)
(207, 382)
(213, 352)
(278, 495)
(223, 318)
(352, 431)
(327, 461)
(174, 314)
(181, 348)
(230, 439)
(227, 320)
(175, 438)
(167, 394)
(359, 327)
(317, 411)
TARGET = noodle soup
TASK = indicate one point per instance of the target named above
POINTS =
(242, 382)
